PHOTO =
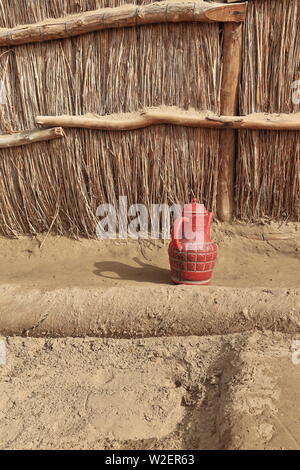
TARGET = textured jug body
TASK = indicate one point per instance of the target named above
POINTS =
(192, 254)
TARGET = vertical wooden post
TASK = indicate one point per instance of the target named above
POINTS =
(232, 55)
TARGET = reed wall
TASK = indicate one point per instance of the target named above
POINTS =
(57, 186)
(268, 167)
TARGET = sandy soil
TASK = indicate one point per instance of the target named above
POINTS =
(212, 367)
(249, 256)
(131, 312)
(223, 392)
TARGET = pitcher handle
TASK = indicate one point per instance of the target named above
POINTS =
(176, 231)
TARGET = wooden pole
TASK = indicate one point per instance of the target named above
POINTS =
(122, 17)
(232, 55)
(30, 137)
(175, 116)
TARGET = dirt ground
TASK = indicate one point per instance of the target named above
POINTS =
(249, 256)
(223, 392)
(211, 369)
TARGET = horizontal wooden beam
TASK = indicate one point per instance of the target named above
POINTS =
(30, 137)
(175, 116)
(121, 17)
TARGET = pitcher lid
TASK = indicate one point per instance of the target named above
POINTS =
(194, 208)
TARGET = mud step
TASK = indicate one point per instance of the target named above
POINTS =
(132, 312)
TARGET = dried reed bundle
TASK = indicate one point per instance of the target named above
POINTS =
(58, 187)
(268, 170)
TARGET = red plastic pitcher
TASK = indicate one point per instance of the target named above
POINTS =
(192, 253)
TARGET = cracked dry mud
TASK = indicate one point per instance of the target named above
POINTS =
(231, 386)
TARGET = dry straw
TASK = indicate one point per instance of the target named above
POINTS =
(268, 171)
(60, 185)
